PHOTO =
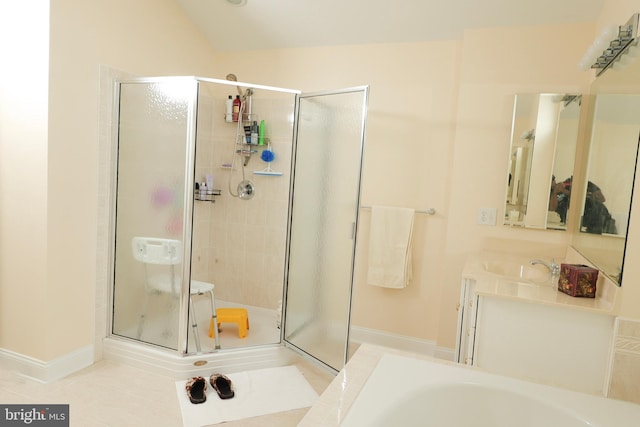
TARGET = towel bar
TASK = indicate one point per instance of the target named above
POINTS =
(429, 211)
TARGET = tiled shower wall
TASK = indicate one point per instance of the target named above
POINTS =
(239, 245)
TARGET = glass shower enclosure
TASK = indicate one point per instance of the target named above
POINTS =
(287, 249)
(155, 171)
(324, 218)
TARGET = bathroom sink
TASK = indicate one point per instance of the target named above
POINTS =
(518, 271)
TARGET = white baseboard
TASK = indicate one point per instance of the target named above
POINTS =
(445, 353)
(46, 372)
(359, 334)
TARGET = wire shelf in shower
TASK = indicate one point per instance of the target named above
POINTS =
(209, 195)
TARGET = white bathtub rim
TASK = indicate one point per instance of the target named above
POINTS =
(409, 375)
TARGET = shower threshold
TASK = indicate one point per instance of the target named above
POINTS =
(168, 363)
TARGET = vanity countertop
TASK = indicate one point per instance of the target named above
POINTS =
(545, 291)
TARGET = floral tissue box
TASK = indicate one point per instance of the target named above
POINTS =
(578, 280)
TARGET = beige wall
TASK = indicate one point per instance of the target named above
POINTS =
(23, 175)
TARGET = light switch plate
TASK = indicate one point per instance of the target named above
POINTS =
(487, 216)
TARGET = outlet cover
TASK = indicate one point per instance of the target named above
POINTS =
(487, 216)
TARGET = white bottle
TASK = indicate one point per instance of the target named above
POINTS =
(228, 117)
(203, 191)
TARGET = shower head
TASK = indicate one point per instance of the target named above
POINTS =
(233, 78)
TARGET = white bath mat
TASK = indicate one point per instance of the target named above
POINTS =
(258, 392)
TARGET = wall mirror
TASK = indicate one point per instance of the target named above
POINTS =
(605, 202)
(543, 144)
(617, 102)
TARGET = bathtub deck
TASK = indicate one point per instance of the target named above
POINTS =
(334, 403)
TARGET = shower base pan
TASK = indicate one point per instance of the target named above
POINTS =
(168, 363)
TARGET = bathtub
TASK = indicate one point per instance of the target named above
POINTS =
(408, 392)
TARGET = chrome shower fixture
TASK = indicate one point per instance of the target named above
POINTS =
(529, 135)
(611, 45)
(568, 99)
(246, 190)
(232, 78)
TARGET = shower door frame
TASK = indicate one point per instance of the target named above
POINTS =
(365, 89)
(189, 188)
(190, 137)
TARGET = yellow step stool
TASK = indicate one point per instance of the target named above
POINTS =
(234, 315)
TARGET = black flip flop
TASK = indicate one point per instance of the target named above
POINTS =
(197, 389)
(222, 385)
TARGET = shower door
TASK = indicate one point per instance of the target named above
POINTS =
(156, 123)
(324, 213)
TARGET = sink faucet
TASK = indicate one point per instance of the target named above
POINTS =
(553, 266)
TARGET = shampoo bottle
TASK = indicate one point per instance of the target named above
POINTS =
(203, 191)
(228, 116)
(261, 133)
(236, 108)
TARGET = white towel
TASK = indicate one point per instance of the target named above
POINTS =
(390, 247)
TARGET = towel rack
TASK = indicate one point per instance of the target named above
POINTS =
(429, 211)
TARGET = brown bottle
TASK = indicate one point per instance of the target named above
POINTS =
(236, 108)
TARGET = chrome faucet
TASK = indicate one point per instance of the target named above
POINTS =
(553, 266)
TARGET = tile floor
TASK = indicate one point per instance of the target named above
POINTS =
(113, 394)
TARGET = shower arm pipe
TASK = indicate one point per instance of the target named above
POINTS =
(239, 128)
(247, 96)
